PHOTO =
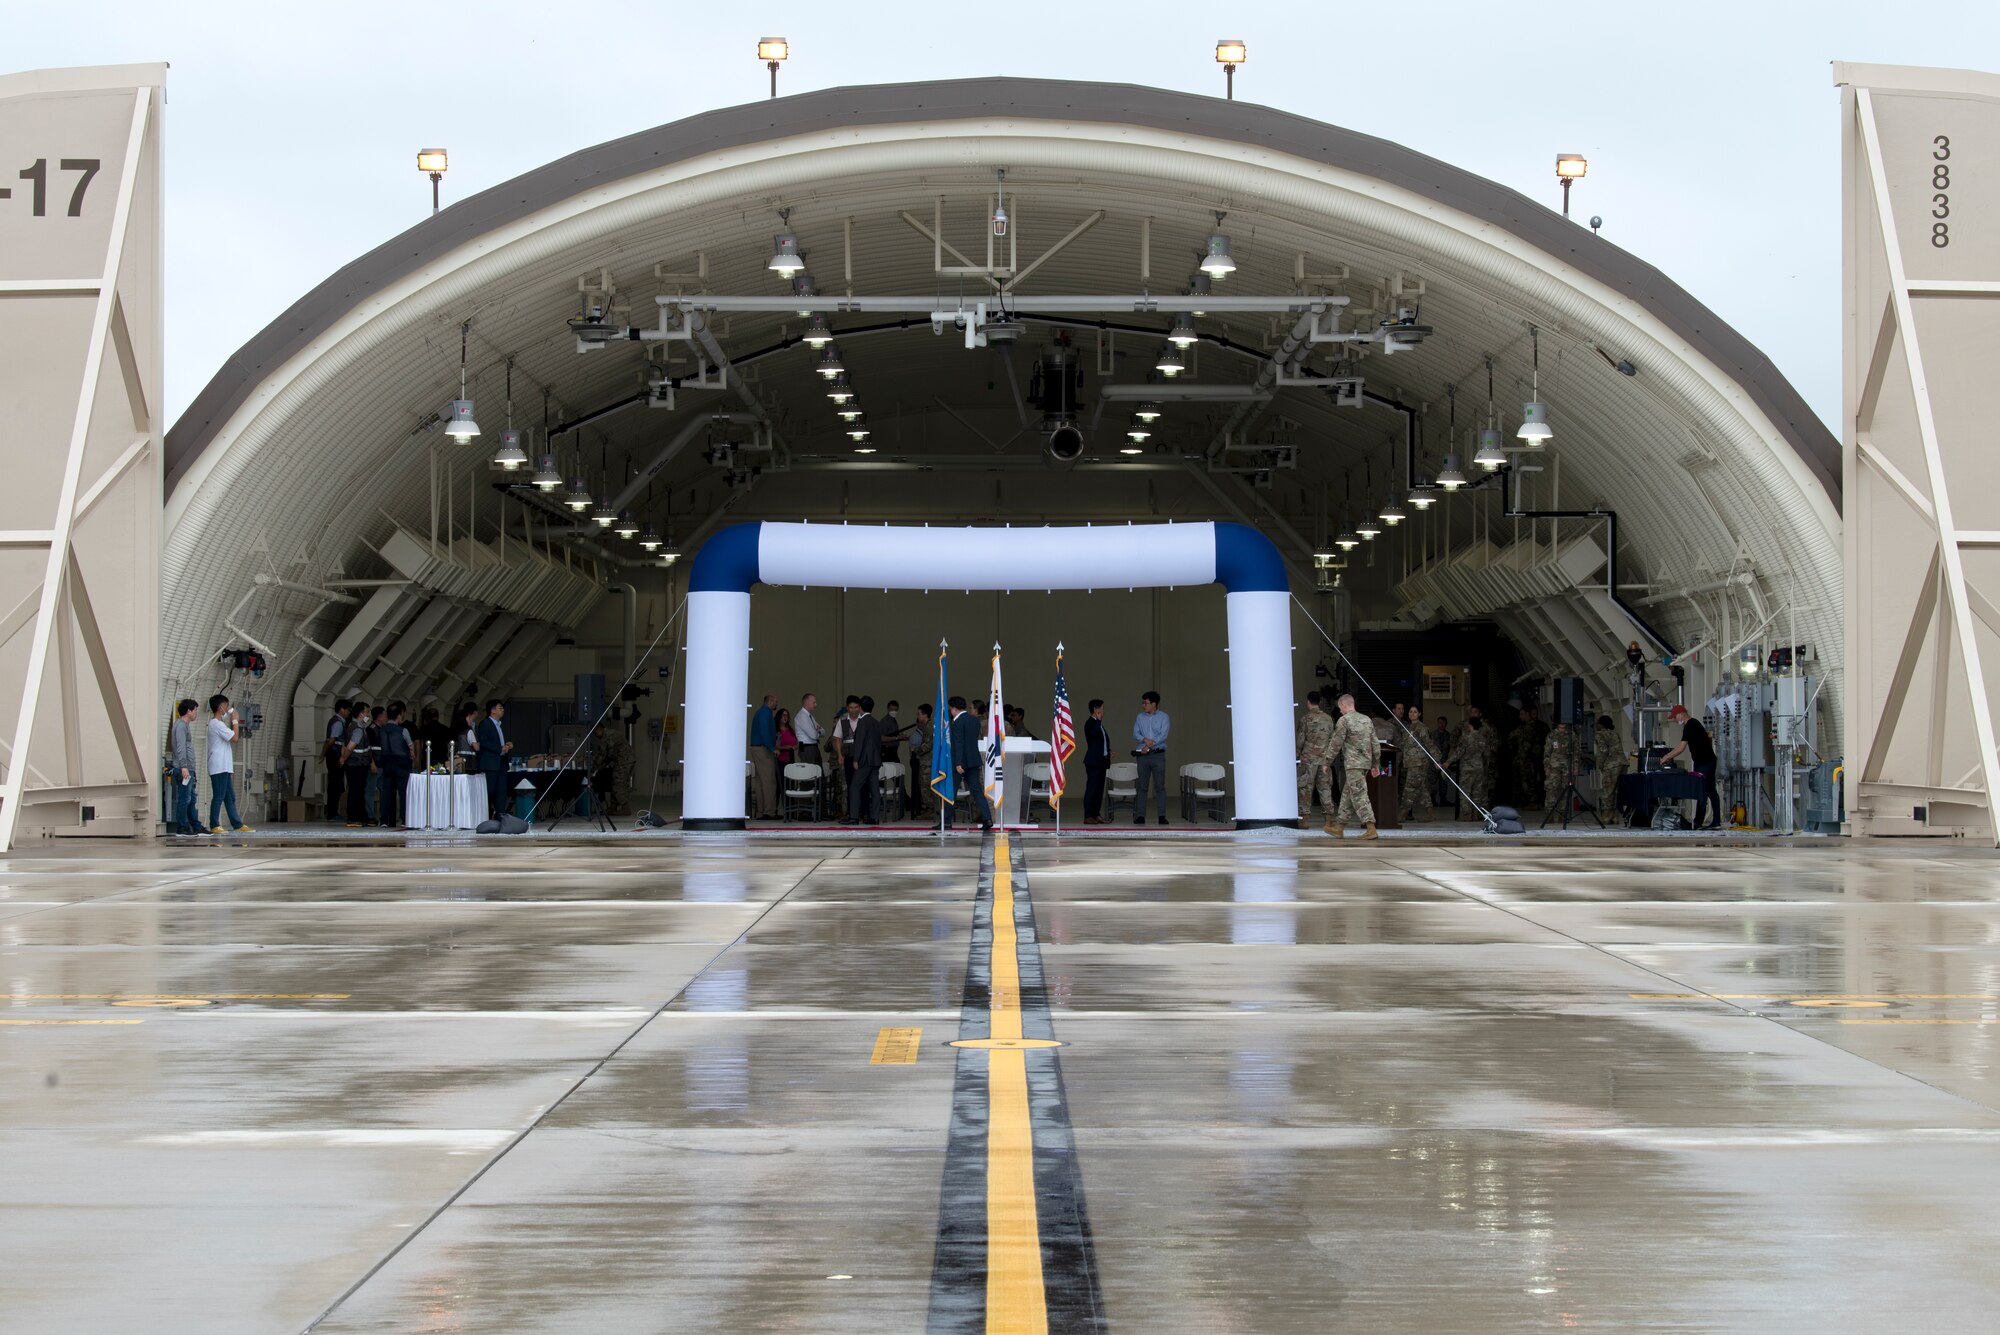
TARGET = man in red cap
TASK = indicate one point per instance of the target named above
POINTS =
(1701, 760)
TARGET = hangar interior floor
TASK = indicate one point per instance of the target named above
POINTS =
(1303, 1086)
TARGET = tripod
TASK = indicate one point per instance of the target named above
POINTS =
(1570, 798)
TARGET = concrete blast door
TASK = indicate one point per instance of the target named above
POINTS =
(1241, 559)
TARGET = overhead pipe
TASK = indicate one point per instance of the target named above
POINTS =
(1000, 306)
(631, 625)
(272, 581)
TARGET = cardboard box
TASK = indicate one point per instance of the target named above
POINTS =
(298, 809)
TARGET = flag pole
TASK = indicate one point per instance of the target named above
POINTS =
(944, 646)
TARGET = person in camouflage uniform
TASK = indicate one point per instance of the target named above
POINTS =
(1418, 770)
(1475, 751)
(1316, 749)
(1360, 756)
(1526, 748)
(1558, 755)
(1611, 766)
(612, 775)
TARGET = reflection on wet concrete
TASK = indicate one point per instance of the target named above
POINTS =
(1417, 1088)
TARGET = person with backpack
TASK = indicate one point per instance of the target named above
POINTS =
(396, 758)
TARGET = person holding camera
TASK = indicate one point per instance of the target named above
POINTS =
(222, 733)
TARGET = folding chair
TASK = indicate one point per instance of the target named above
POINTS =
(1037, 775)
(802, 790)
(889, 789)
(1121, 784)
(1201, 786)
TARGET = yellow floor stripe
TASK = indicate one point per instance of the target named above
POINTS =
(161, 996)
(1899, 1021)
(1016, 1303)
(896, 1047)
(72, 1022)
(1813, 996)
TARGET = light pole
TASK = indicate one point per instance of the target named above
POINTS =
(432, 161)
(1230, 53)
(1569, 167)
(772, 50)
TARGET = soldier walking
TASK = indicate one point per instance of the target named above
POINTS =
(1419, 770)
(1316, 751)
(1360, 750)
(1475, 752)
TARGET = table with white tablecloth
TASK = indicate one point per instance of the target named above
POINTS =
(445, 801)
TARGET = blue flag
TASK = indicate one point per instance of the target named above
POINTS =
(942, 781)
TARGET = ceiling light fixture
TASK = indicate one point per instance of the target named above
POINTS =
(546, 476)
(1148, 412)
(1423, 494)
(785, 258)
(1535, 428)
(830, 364)
(1199, 286)
(1490, 455)
(510, 455)
(1392, 512)
(667, 558)
(864, 449)
(458, 421)
(1170, 363)
(1217, 262)
(602, 514)
(1348, 539)
(627, 526)
(1182, 334)
(817, 335)
(850, 414)
(1130, 449)
(579, 493)
(840, 391)
(1449, 477)
(650, 539)
(1138, 430)
(1369, 528)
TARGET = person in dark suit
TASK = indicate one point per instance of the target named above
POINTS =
(494, 749)
(865, 768)
(967, 773)
(1096, 760)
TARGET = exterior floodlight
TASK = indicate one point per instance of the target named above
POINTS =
(431, 162)
(1217, 264)
(773, 50)
(459, 425)
(1449, 477)
(1229, 53)
(627, 526)
(1138, 430)
(1148, 412)
(817, 335)
(785, 257)
(650, 539)
(1490, 455)
(1569, 167)
(1170, 363)
(1369, 528)
(510, 455)
(1535, 428)
(830, 364)
(579, 494)
(1182, 333)
(1392, 511)
(603, 515)
(850, 414)
(546, 476)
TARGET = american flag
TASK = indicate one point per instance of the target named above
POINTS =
(1062, 736)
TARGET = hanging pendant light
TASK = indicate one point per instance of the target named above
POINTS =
(1449, 477)
(1182, 334)
(1490, 455)
(1170, 363)
(458, 418)
(1348, 539)
(650, 538)
(627, 526)
(1137, 430)
(667, 558)
(830, 364)
(1369, 528)
(601, 514)
(1392, 512)
(839, 389)
(510, 455)
(1148, 412)
(1199, 286)
(1423, 494)
(546, 476)
(850, 413)
(578, 498)
(805, 290)
(1217, 262)
(785, 257)
(1535, 429)
(817, 335)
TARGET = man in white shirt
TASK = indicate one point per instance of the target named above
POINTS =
(222, 731)
(806, 728)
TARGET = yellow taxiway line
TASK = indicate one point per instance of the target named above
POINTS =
(1016, 1303)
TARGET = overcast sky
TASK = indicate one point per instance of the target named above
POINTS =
(1711, 128)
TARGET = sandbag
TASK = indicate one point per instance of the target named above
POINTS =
(487, 827)
(512, 824)
(1506, 820)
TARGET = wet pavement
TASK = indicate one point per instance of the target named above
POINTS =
(1305, 1086)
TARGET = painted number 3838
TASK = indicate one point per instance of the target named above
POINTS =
(1941, 186)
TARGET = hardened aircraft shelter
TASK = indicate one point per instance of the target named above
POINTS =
(773, 400)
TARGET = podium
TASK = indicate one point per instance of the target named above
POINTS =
(1016, 754)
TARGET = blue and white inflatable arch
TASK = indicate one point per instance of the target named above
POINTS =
(1239, 558)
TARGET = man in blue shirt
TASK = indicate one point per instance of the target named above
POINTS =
(1149, 731)
(764, 757)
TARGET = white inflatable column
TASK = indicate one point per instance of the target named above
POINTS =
(1260, 707)
(715, 742)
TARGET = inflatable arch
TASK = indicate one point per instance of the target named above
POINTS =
(1239, 558)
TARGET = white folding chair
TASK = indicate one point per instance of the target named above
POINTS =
(1121, 784)
(889, 789)
(1201, 786)
(1039, 789)
(802, 789)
